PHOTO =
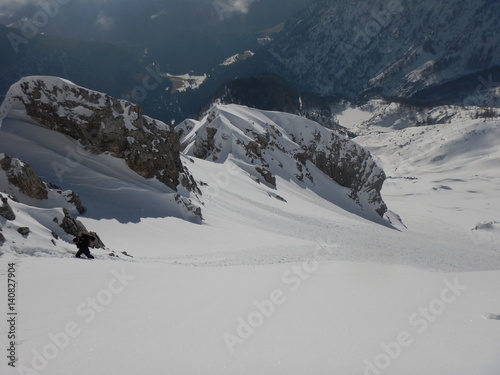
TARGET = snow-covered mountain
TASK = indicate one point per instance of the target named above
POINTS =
(103, 124)
(269, 144)
(400, 48)
(69, 129)
(286, 276)
(68, 133)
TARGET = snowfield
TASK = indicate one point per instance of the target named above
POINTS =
(274, 281)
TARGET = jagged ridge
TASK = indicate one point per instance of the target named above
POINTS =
(272, 143)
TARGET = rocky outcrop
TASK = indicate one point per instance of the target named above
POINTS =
(72, 226)
(74, 199)
(104, 124)
(75, 227)
(18, 177)
(277, 144)
(348, 164)
(23, 177)
(22, 182)
(6, 210)
(24, 231)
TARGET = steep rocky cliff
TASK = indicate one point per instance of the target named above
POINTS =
(104, 124)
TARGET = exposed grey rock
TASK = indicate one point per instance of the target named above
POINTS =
(98, 244)
(75, 227)
(189, 207)
(268, 176)
(104, 124)
(2, 239)
(23, 177)
(74, 198)
(24, 231)
(349, 165)
(72, 226)
(6, 210)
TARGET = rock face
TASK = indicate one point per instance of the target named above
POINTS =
(23, 177)
(104, 124)
(75, 227)
(18, 178)
(6, 210)
(74, 198)
(271, 144)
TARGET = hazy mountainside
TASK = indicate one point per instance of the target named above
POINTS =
(395, 48)
(112, 48)
(384, 116)
(441, 51)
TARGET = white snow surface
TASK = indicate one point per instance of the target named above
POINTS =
(186, 81)
(348, 292)
(237, 58)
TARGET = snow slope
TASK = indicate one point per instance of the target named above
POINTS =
(344, 294)
(444, 160)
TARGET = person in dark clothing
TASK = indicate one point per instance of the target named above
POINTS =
(83, 242)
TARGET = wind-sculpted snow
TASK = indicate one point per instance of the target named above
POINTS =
(271, 144)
